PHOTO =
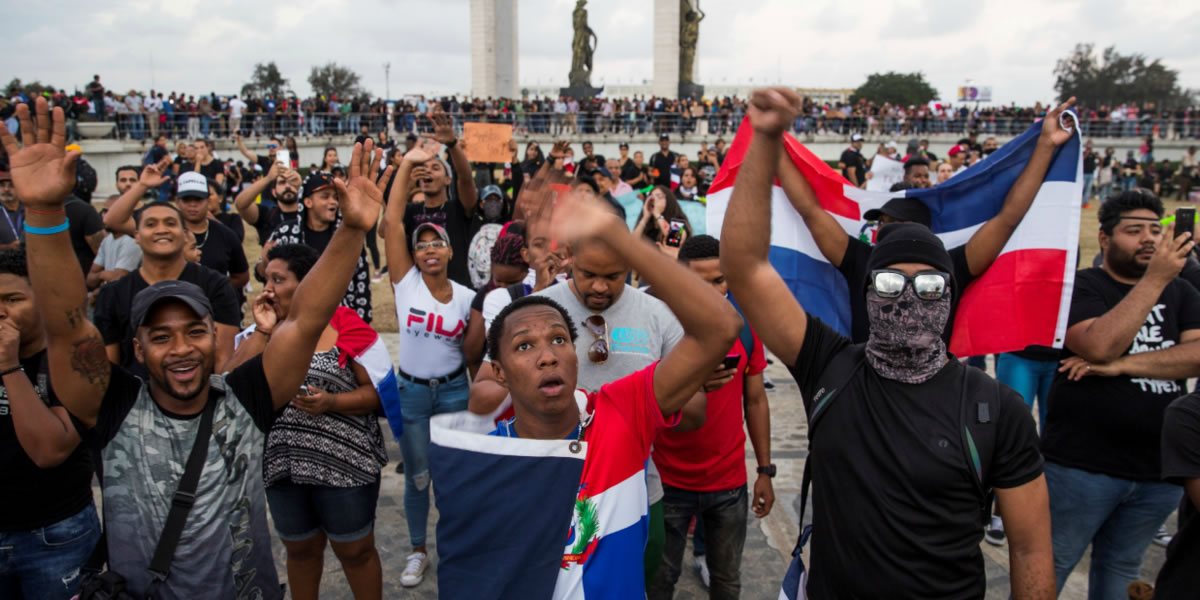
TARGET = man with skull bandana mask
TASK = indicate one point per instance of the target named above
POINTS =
(895, 516)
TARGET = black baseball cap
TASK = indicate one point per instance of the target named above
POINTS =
(903, 209)
(664, 137)
(173, 289)
(316, 181)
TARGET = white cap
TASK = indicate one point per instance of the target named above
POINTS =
(192, 185)
(892, 145)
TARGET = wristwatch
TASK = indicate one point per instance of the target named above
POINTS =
(768, 470)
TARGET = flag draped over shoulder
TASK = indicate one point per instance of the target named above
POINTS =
(1023, 299)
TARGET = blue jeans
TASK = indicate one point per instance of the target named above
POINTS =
(419, 403)
(1030, 378)
(204, 124)
(1088, 178)
(1117, 516)
(302, 511)
(45, 563)
(1105, 190)
(724, 515)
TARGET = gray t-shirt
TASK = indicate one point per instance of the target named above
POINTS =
(641, 330)
(225, 549)
(118, 253)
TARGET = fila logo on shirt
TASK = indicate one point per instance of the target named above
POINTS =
(432, 325)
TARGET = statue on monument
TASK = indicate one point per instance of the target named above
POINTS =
(690, 16)
(582, 48)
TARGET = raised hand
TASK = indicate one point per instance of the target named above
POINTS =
(155, 175)
(1170, 255)
(560, 148)
(1052, 127)
(265, 317)
(360, 199)
(418, 155)
(581, 215)
(43, 172)
(773, 110)
(443, 127)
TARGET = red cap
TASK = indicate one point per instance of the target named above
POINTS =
(955, 149)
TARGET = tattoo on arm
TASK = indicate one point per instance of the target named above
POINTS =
(77, 316)
(90, 360)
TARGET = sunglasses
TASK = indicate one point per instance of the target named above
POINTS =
(435, 244)
(928, 285)
(598, 351)
(272, 146)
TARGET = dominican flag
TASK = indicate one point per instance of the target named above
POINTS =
(1023, 299)
(360, 343)
(509, 543)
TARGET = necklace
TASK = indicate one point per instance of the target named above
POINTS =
(200, 242)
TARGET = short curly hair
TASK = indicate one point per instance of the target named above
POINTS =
(497, 329)
(700, 247)
(12, 262)
(300, 259)
(1128, 200)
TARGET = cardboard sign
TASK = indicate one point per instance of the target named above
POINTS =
(885, 172)
(488, 142)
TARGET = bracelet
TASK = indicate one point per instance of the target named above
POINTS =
(46, 212)
(451, 143)
(12, 370)
(266, 333)
(48, 230)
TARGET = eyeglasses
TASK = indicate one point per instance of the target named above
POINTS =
(928, 285)
(598, 351)
(435, 244)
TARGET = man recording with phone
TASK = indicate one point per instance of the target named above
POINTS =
(704, 471)
(1133, 338)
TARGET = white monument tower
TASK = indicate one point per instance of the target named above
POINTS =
(494, 48)
(666, 49)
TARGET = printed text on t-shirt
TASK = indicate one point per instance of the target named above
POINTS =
(1149, 339)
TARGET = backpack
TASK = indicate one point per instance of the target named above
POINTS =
(974, 415)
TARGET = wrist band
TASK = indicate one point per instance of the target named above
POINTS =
(12, 370)
(46, 212)
(48, 230)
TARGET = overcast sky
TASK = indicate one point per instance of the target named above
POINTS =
(212, 45)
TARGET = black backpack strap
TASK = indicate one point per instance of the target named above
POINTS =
(516, 290)
(181, 504)
(975, 412)
(841, 369)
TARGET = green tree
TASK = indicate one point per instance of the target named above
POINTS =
(332, 79)
(266, 79)
(1113, 78)
(896, 88)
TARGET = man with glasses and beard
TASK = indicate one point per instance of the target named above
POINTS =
(1131, 344)
(285, 183)
(902, 421)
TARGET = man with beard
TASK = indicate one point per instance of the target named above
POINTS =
(143, 431)
(453, 214)
(1135, 324)
(286, 186)
(220, 249)
(894, 516)
(314, 228)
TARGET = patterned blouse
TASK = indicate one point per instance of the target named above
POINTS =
(329, 449)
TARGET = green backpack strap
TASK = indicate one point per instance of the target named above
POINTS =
(747, 338)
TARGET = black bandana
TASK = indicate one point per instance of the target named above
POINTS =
(905, 342)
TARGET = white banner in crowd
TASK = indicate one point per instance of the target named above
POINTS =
(884, 173)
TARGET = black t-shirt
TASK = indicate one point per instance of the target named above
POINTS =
(854, 269)
(220, 250)
(630, 171)
(212, 169)
(85, 222)
(896, 506)
(235, 224)
(185, 165)
(663, 165)
(30, 496)
(1089, 163)
(269, 219)
(112, 307)
(264, 161)
(854, 158)
(1180, 574)
(1113, 425)
(453, 217)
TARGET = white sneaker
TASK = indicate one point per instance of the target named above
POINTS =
(701, 565)
(1163, 537)
(994, 533)
(414, 572)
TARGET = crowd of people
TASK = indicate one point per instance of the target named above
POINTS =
(142, 115)
(533, 298)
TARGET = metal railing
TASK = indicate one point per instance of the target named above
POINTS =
(184, 126)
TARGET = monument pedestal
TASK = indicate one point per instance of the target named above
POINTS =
(690, 91)
(580, 92)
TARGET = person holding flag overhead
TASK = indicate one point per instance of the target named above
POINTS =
(578, 472)
(901, 422)
(850, 255)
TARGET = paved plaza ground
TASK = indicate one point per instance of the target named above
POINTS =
(768, 544)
